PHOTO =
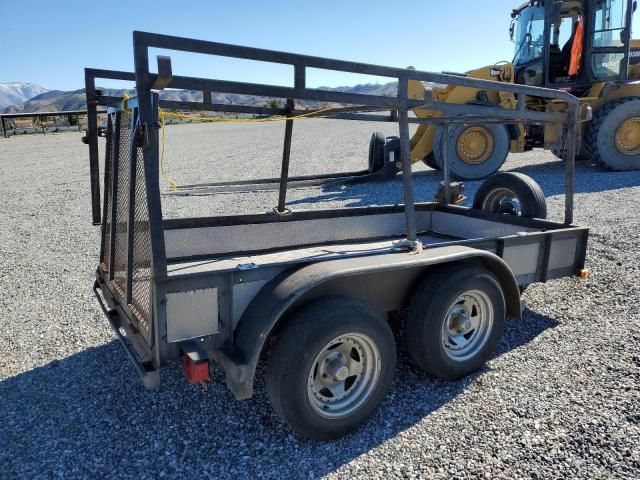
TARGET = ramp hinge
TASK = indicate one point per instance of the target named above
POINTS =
(141, 138)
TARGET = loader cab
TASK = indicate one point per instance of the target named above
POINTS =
(571, 44)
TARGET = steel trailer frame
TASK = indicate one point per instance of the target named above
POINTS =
(235, 341)
(466, 114)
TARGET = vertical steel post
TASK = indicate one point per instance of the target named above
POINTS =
(300, 78)
(92, 138)
(108, 172)
(570, 167)
(4, 129)
(148, 121)
(286, 153)
(115, 180)
(131, 217)
(446, 168)
(405, 155)
(149, 125)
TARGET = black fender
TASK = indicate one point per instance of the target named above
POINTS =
(285, 292)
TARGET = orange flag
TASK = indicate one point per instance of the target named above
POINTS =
(576, 50)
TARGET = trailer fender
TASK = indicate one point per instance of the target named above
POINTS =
(288, 290)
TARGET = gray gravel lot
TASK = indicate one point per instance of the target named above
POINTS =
(559, 400)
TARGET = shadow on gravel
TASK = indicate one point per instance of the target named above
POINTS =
(550, 176)
(589, 178)
(88, 416)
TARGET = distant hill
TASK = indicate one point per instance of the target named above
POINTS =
(386, 89)
(56, 100)
(51, 101)
(18, 92)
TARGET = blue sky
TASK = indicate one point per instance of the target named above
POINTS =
(454, 35)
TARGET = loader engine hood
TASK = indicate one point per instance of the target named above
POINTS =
(502, 72)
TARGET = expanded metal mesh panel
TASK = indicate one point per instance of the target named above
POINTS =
(141, 273)
(119, 264)
(105, 250)
(118, 243)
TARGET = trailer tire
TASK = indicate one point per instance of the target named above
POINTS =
(454, 321)
(511, 193)
(612, 138)
(330, 368)
(488, 150)
(376, 152)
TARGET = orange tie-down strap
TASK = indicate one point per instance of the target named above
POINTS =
(576, 50)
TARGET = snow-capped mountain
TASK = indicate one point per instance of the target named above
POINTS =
(57, 100)
(17, 92)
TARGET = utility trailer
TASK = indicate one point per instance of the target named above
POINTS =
(309, 291)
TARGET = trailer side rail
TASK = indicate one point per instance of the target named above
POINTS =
(146, 81)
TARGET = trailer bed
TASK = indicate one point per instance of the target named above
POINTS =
(309, 254)
(533, 248)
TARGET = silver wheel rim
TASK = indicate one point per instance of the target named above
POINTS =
(503, 200)
(467, 325)
(343, 375)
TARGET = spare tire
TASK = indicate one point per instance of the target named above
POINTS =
(376, 152)
(475, 152)
(511, 193)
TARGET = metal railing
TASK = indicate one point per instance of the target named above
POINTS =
(41, 115)
(147, 102)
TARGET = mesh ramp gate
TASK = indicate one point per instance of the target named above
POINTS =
(125, 254)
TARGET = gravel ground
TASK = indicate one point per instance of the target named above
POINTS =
(560, 398)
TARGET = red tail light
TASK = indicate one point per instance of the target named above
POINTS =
(195, 372)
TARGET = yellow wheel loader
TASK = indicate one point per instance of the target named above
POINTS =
(580, 46)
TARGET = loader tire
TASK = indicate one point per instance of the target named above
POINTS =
(612, 139)
(475, 152)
